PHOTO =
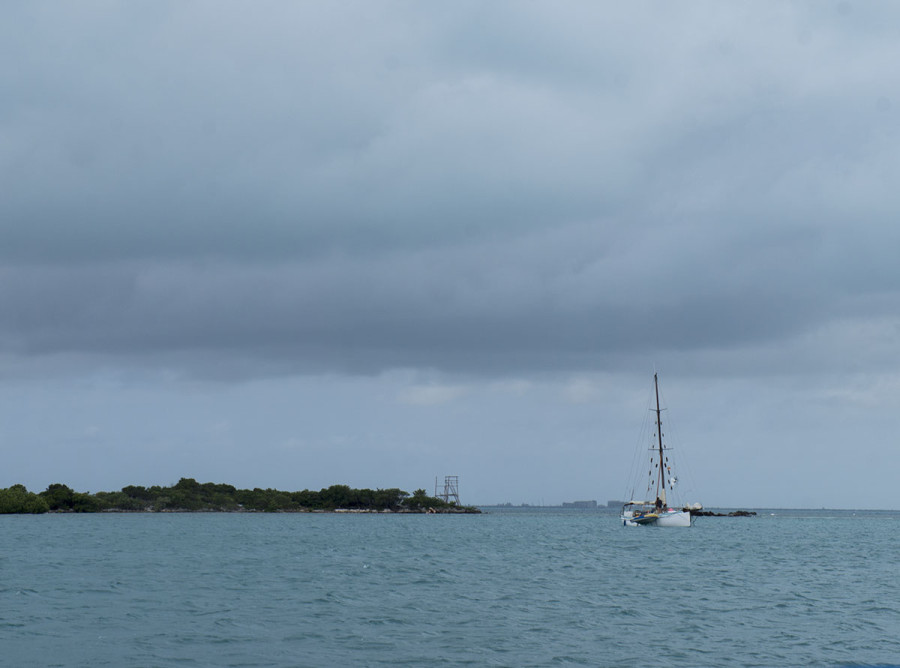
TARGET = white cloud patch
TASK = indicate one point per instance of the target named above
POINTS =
(432, 395)
(581, 391)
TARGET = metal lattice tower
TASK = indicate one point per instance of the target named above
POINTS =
(450, 493)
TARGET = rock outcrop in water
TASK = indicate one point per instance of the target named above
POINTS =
(733, 513)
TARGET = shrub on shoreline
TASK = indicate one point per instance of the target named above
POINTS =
(188, 495)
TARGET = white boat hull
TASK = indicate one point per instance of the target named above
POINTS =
(678, 518)
(671, 518)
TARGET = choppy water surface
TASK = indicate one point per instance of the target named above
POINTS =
(503, 589)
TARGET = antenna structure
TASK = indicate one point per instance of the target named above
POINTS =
(450, 492)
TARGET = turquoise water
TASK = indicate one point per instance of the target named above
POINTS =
(501, 589)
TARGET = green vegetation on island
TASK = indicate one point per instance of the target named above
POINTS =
(188, 495)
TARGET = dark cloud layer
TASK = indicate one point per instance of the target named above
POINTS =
(444, 237)
(556, 299)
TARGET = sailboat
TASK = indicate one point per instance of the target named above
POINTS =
(661, 482)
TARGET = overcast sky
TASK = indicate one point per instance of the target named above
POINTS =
(293, 244)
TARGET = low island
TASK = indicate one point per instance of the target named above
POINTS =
(188, 495)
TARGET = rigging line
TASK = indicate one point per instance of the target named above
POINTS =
(639, 461)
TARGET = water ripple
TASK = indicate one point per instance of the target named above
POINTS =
(523, 589)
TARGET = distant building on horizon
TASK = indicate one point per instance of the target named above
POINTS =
(579, 504)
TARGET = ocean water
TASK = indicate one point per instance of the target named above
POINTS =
(506, 588)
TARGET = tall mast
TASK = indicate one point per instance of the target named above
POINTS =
(661, 481)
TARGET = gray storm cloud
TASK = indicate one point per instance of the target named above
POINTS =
(299, 244)
(358, 189)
